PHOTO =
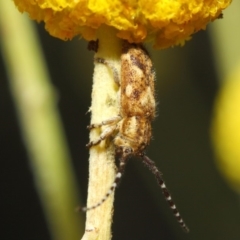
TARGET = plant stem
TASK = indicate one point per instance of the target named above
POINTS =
(41, 127)
(102, 157)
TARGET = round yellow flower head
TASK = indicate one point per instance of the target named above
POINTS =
(166, 22)
(226, 129)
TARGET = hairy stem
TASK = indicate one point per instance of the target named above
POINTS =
(102, 157)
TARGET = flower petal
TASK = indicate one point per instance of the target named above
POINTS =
(165, 22)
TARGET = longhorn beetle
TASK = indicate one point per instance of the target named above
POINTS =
(132, 128)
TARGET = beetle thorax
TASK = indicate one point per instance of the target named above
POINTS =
(134, 135)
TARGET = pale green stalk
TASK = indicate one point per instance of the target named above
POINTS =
(225, 37)
(36, 103)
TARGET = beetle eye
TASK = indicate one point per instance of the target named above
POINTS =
(128, 150)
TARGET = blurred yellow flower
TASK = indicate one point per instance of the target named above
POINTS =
(166, 22)
(226, 129)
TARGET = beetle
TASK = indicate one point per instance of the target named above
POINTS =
(132, 129)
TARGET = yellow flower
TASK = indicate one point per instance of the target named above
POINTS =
(166, 22)
(226, 129)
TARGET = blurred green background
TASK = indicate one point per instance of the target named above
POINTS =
(188, 79)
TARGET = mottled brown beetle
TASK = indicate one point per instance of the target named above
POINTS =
(132, 128)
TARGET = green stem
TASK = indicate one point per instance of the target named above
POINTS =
(42, 131)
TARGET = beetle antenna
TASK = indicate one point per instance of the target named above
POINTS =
(116, 181)
(153, 168)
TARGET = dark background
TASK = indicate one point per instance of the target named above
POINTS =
(186, 87)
